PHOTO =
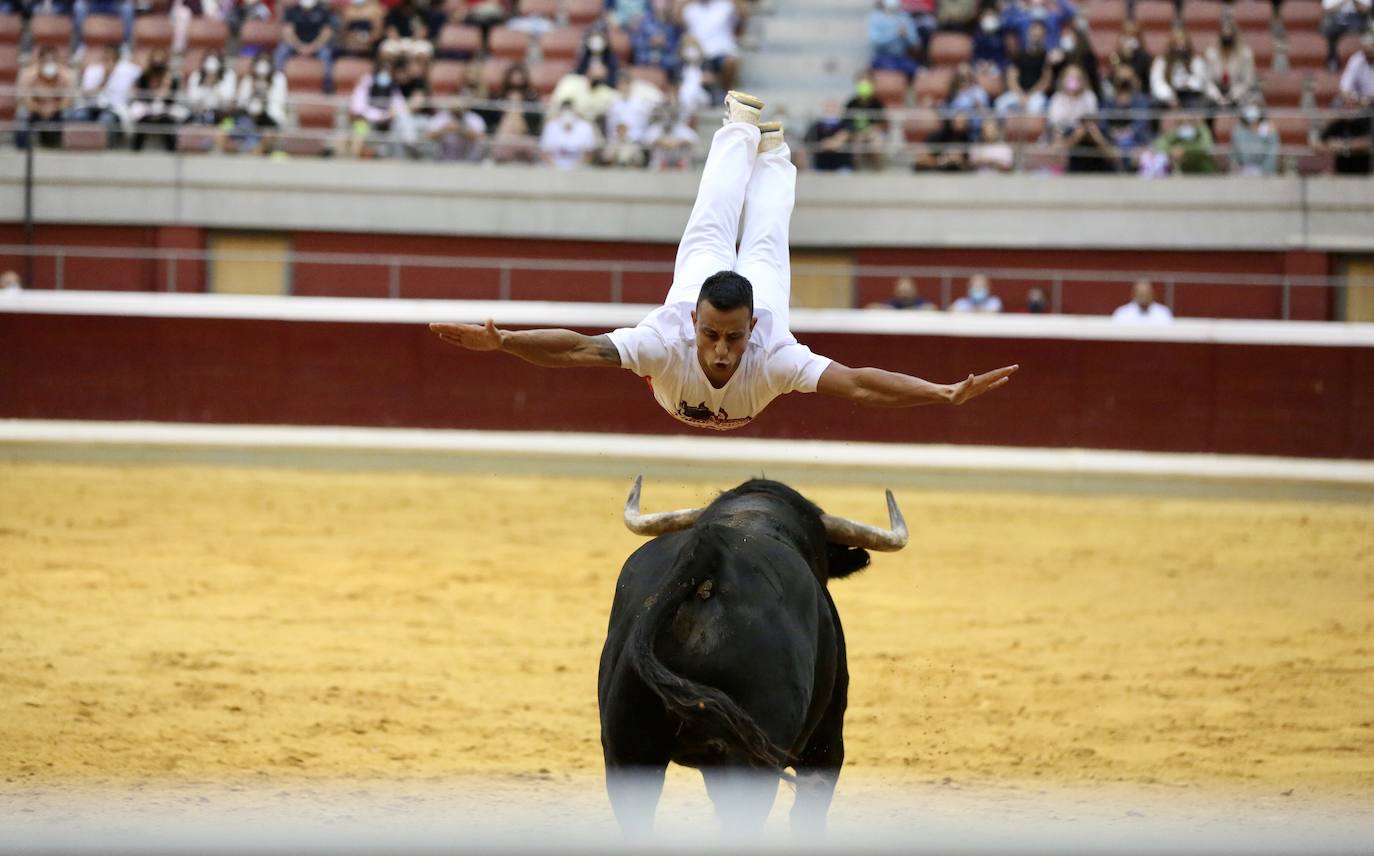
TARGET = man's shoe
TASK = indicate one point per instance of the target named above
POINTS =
(742, 107)
(770, 136)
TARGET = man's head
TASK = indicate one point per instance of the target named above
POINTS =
(9, 281)
(1143, 293)
(979, 289)
(723, 320)
(904, 288)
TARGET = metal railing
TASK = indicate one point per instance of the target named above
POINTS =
(547, 279)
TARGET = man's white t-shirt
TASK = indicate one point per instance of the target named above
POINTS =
(565, 146)
(663, 350)
(712, 24)
(1131, 313)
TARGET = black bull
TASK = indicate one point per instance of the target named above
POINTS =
(725, 653)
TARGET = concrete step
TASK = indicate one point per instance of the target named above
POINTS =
(808, 32)
(792, 68)
(859, 9)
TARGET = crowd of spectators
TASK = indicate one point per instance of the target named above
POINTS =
(564, 82)
(1029, 69)
(979, 298)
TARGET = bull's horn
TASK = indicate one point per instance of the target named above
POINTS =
(659, 523)
(851, 533)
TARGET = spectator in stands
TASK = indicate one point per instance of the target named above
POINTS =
(382, 120)
(1028, 76)
(828, 140)
(1347, 138)
(991, 154)
(1074, 48)
(590, 94)
(868, 127)
(516, 93)
(1143, 308)
(989, 42)
(1341, 17)
(947, 150)
(1254, 143)
(978, 297)
(596, 48)
(156, 107)
(1127, 125)
(692, 91)
(107, 85)
(635, 106)
(670, 138)
(410, 29)
(10, 282)
(362, 24)
(1178, 77)
(713, 24)
(1188, 147)
(515, 137)
(210, 90)
(260, 107)
(1052, 15)
(621, 150)
(82, 9)
(1131, 52)
(526, 21)
(308, 30)
(892, 39)
(654, 39)
(1073, 124)
(1357, 81)
(1230, 68)
(1037, 302)
(627, 14)
(457, 133)
(46, 86)
(240, 11)
(923, 15)
(904, 296)
(568, 140)
(958, 15)
(966, 94)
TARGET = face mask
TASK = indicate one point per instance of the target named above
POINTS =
(691, 55)
(384, 80)
(49, 69)
(212, 66)
(978, 293)
(1187, 133)
(1130, 44)
(596, 44)
(262, 69)
(1072, 85)
(255, 106)
(1250, 114)
(989, 23)
(1067, 43)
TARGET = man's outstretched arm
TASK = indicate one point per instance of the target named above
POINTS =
(549, 348)
(879, 388)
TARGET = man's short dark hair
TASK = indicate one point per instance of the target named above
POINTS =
(727, 290)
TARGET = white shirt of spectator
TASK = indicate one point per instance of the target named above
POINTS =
(1357, 81)
(663, 350)
(1131, 313)
(566, 139)
(712, 24)
(992, 303)
(634, 109)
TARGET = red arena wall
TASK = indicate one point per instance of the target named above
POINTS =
(1313, 401)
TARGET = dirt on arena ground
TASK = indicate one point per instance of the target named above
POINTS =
(184, 623)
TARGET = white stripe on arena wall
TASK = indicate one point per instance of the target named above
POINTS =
(610, 315)
(622, 448)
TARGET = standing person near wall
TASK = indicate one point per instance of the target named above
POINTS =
(720, 348)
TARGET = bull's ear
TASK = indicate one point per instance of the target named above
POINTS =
(844, 561)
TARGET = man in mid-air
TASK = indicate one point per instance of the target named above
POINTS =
(719, 349)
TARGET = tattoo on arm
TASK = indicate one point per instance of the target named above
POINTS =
(605, 350)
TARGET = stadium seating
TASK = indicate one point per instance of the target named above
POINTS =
(583, 12)
(1262, 45)
(620, 45)
(348, 70)
(1306, 50)
(1106, 15)
(84, 137)
(1299, 16)
(919, 124)
(303, 145)
(446, 76)
(1202, 16)
(545, 76)
(315, 115)
(493, 70)
(51, 31)
(151, 31)
(950, 49)
(1252, 14)
(560, 43)
(304, 74)
(196, 139)
(1154, 15)
(1024, 129)
(890, 87)
(1282, 89)
(650, 74)
(206, 34)
(505, 43)
(932, 84)
(259, 36)
(11, 27)
(9, 64)
(459, 42)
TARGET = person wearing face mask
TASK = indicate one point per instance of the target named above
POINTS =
(1127, 124)
(1028, 76)
(46, 85)
(590, 94)
(978, 297)
(1037, 302)
(156, 108)
(713, 23)
(210, 90)
(1053, 15)
(1130, 52)
(410, 29)
(1178, 77)
(1230, 68)
(1074, 125)
(361, 22)
(527, 20)
(308, 29)
(654, 38)
(1357, 81)
(568, 140)
(82, 9)
(1074, 48)
(670, 139)
(260, 107)
(1188, 148)
(1348, 139)
(868, 126)
(596, 48)
(693, 93)
(989, 46)
(1254, 143)
(382, 120)
(892, 39)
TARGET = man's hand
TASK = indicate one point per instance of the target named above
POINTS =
(474, 337)
(976, 385)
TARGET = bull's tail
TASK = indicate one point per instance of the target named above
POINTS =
(686, 699)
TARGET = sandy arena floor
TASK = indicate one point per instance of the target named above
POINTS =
(179, 624)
